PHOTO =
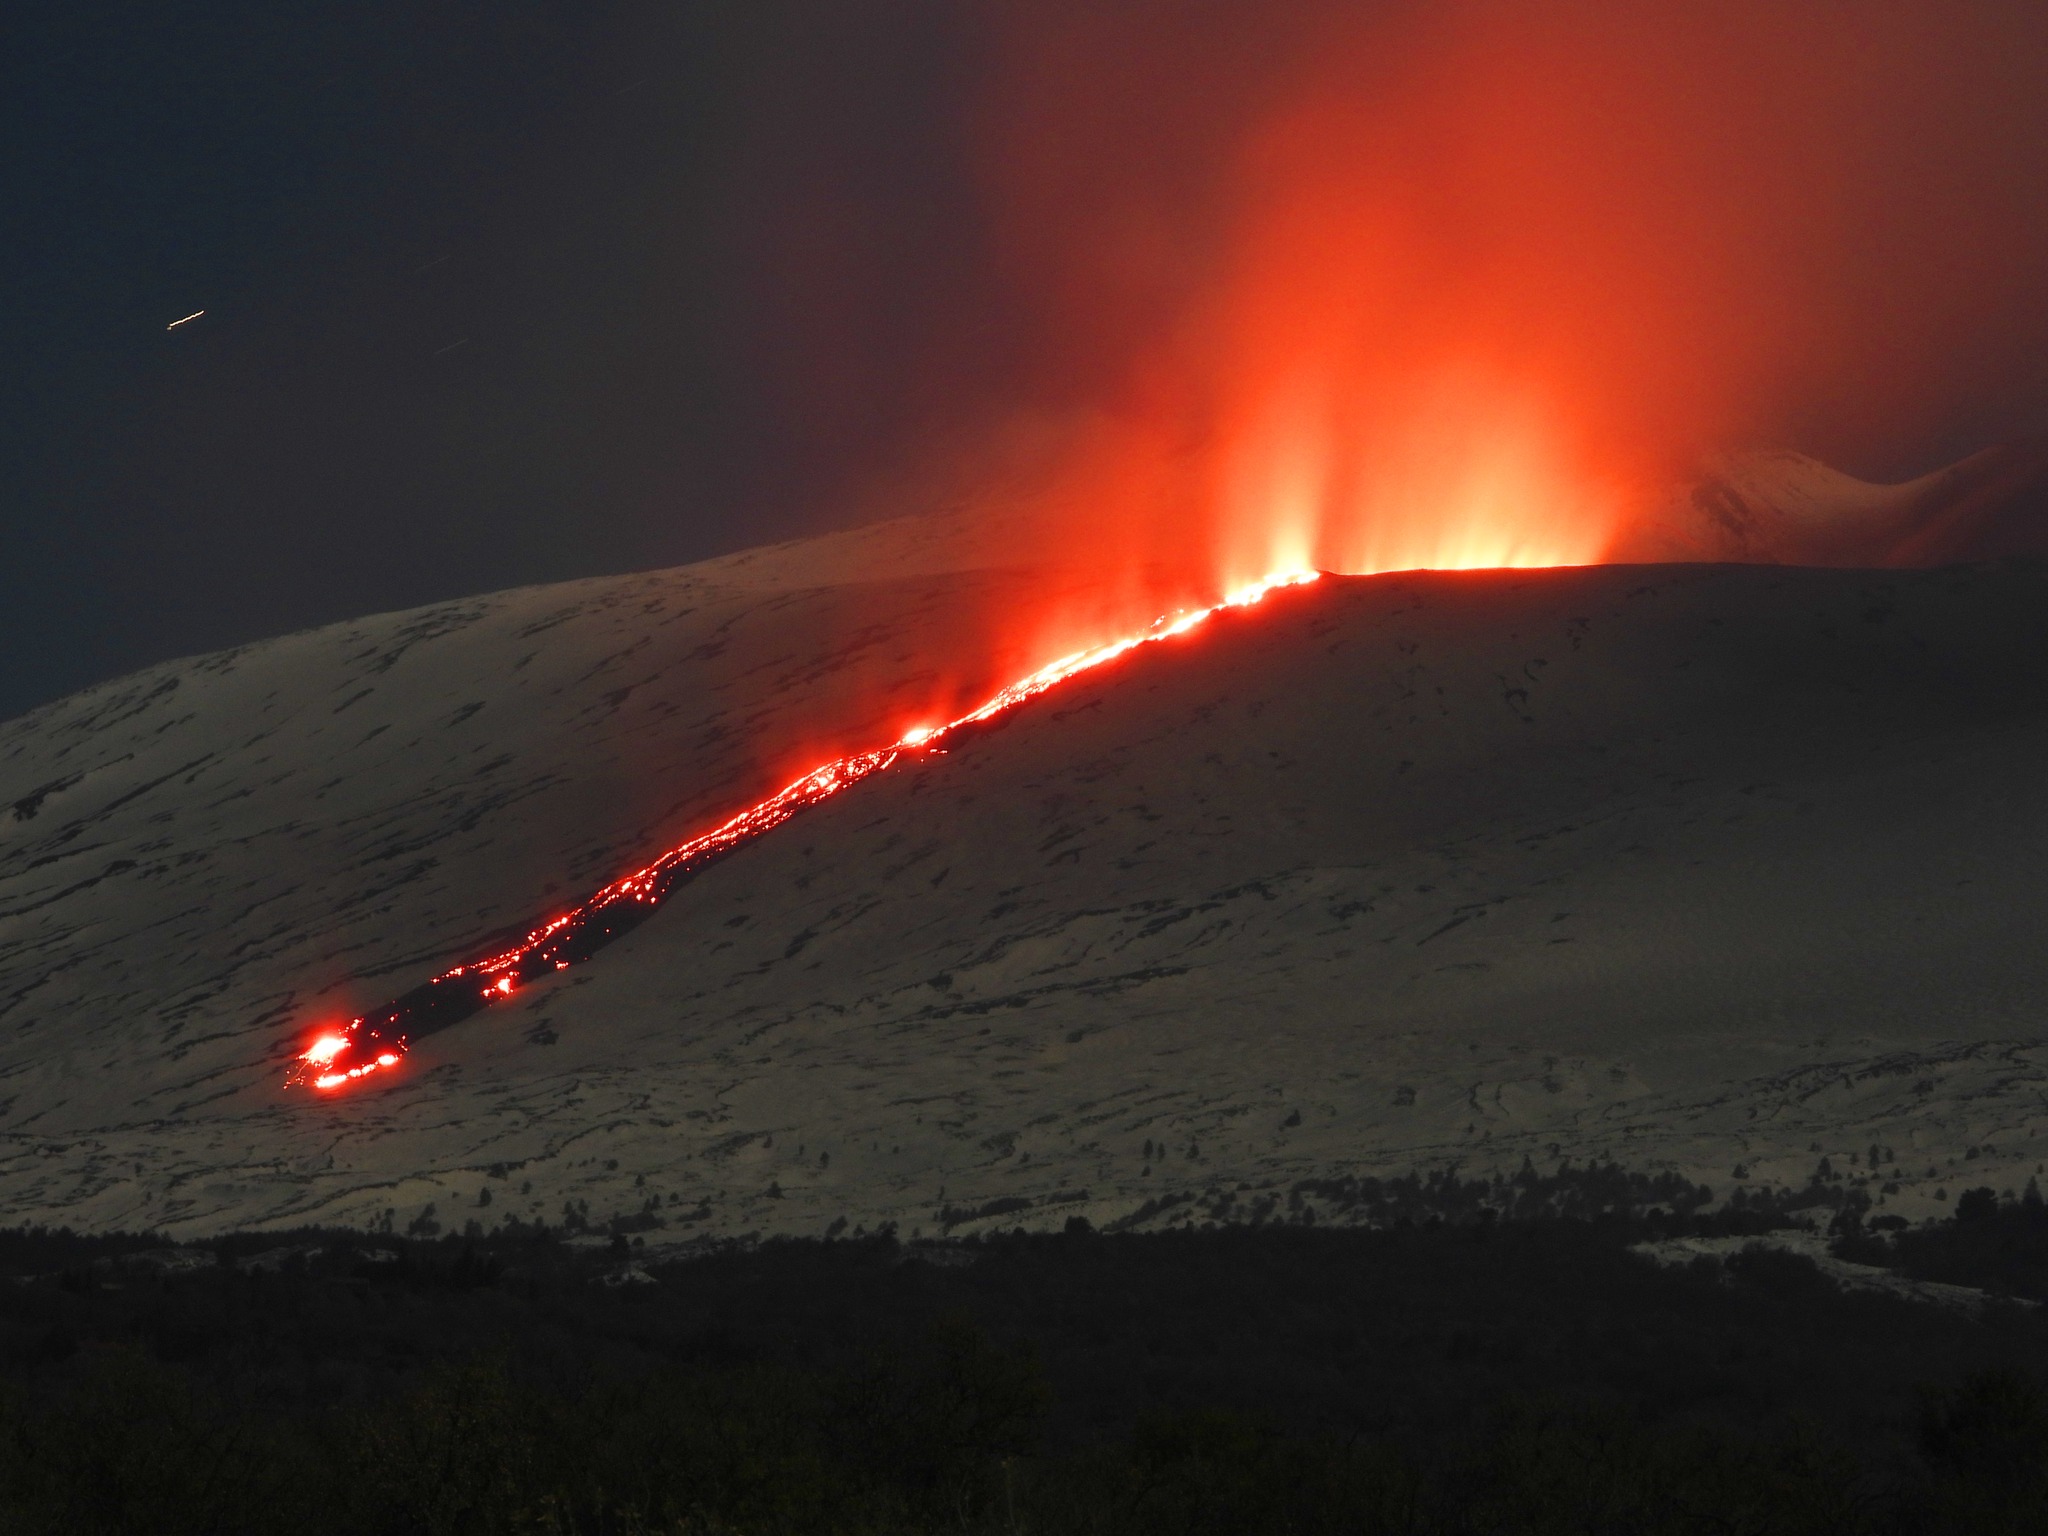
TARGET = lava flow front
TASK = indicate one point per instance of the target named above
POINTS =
(378, 1040)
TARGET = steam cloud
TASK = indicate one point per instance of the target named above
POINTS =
(1462, 284)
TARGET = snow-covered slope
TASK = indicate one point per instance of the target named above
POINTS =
(1781, 507)
(1694, 866)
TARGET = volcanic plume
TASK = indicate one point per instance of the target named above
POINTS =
(1365, 289)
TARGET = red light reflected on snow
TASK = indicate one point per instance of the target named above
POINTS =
(335, 1059)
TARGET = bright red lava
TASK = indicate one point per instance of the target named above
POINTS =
(377, 1042)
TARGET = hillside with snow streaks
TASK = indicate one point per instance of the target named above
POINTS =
(1699, 867)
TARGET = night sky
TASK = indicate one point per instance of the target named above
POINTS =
(519, 292)
(494, 294)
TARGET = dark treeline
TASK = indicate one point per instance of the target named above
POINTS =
(1478, 1375)
(1996, 1245)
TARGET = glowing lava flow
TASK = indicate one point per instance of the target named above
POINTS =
(378, 1039)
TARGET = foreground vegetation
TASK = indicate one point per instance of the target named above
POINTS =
(1480, 1376)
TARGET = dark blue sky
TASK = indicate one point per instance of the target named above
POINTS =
(495, 293)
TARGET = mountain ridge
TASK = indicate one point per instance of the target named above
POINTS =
(178, 986)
